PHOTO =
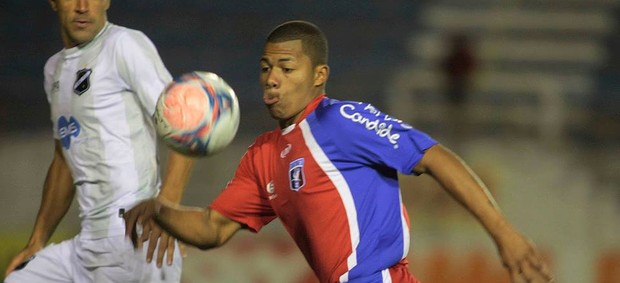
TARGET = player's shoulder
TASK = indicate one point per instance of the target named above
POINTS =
(262, 146)
(116, 33)
(334, 111)
(116, 30)
(264, 140)
(126, 42)
(340, 108)
(353, 118)
(51, 62)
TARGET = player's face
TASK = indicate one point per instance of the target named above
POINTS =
(289, 81)
(80, 20)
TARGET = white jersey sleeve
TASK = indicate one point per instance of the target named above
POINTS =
(141, 67)
(49, 84)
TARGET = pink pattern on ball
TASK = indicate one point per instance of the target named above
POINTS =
(185, 105)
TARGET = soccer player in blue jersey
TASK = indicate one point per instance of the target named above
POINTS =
(329, 173)
(102, 88)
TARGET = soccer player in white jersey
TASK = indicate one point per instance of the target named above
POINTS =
(102, 89)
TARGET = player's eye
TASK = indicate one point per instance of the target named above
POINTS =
(287, 70)
(264, 69)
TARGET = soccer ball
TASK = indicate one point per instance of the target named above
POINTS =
(197, 114)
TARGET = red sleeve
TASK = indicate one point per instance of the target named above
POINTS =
(243, 199)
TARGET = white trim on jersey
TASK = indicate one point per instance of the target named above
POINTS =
(385, 274)
(406, 234)
(343, 189)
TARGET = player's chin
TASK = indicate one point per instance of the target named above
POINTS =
(275, 113)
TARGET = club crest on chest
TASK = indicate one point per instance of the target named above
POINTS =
(82, 81)
(296, 176)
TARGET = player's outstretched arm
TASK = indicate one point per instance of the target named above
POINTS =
(58, 193)
(200, 227)
(178, 171)
(518, 254)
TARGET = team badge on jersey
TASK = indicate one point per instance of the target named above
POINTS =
(296, 176)
(82, 81)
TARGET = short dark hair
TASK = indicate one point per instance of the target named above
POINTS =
(314, 42)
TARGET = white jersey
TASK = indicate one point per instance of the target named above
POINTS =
(102, 97)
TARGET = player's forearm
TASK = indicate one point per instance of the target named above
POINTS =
(58, 193)
(190, 225)
(474, 196)
(465, 186)
(178, 171)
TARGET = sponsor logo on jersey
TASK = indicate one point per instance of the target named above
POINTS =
(68, 129)
(82, 81)
(382, 126)
(286, 150)
(296, 176)
(271, 190)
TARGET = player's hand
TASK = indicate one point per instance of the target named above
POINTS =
(21, 258)
(523, 261)
(159, 240)
(141, 218)
(136, 219)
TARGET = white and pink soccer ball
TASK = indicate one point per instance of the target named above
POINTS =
(197, 114)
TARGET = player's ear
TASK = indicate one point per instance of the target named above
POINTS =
(321, 73)
(53, 4)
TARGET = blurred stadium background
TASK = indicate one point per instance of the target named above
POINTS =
(540, 122)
